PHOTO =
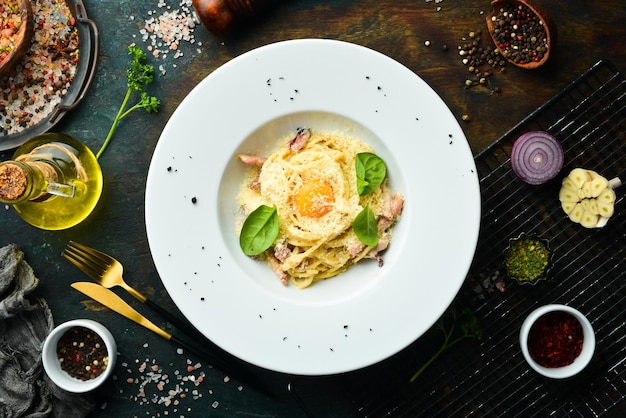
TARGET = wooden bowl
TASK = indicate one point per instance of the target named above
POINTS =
(19, 42)
(514, 47)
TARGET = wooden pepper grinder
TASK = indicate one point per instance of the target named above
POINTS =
(219, 16)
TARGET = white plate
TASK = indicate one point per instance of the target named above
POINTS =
(366, 314)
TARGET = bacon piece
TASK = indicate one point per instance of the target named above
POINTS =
(376, 257)
(298, 142)
(374, 253)
(355, 249)
(383, 243)
(252, 159)
(275, 266)
(397, 204)
(394, 206)
(281, 252)
(393, 209)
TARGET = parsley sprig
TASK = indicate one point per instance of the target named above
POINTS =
(138, 75)
(455, 327)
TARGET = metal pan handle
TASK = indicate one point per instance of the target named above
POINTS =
(89, 58)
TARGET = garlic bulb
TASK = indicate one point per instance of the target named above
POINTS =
(588, 198)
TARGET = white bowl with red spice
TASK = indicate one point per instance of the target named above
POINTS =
(79, 355)
(557, 341)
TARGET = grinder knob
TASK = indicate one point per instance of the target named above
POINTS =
(219, 16)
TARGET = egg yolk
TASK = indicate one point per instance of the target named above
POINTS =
(314, 198)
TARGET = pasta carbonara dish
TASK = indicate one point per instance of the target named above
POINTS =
(311, 186)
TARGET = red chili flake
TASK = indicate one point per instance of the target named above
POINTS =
(555, 339)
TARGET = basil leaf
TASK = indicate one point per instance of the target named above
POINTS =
(365, 227)
(259, 230)
(370, 172)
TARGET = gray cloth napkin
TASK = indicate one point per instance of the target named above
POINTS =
(25, 390)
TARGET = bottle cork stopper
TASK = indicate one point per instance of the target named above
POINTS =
(13, 182)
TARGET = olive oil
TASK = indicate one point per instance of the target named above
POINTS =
(71, 185)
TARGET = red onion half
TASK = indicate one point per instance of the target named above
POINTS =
(537, 157)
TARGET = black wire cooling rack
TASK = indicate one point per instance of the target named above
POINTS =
(490, 378)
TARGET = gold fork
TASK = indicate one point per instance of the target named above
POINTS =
(107, 271)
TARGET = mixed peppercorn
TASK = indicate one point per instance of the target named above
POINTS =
(82, 353)
(480, 61)
(519, 34)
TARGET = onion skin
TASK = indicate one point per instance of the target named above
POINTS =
(537, 157)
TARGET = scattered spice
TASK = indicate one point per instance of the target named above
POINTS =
(33, 89)
(481, 62)
(519, 34)
(82, 353)
(487, 281)
(555, 339)
(527, 258)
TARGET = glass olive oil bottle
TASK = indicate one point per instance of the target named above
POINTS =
(53, 181)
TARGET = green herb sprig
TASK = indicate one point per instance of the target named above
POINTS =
(259, 230)
(455, 327)
(138, 76)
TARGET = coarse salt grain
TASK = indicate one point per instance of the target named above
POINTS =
(165, 32)
(153, 385)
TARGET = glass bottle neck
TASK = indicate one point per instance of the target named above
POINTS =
(35, 180)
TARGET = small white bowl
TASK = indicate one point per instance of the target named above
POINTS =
(52, 365)
(589, 343)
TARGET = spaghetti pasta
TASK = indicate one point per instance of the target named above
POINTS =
(312, 183)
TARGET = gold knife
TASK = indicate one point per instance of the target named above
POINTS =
(112, 301)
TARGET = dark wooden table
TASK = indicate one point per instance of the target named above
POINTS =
(588, 31)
